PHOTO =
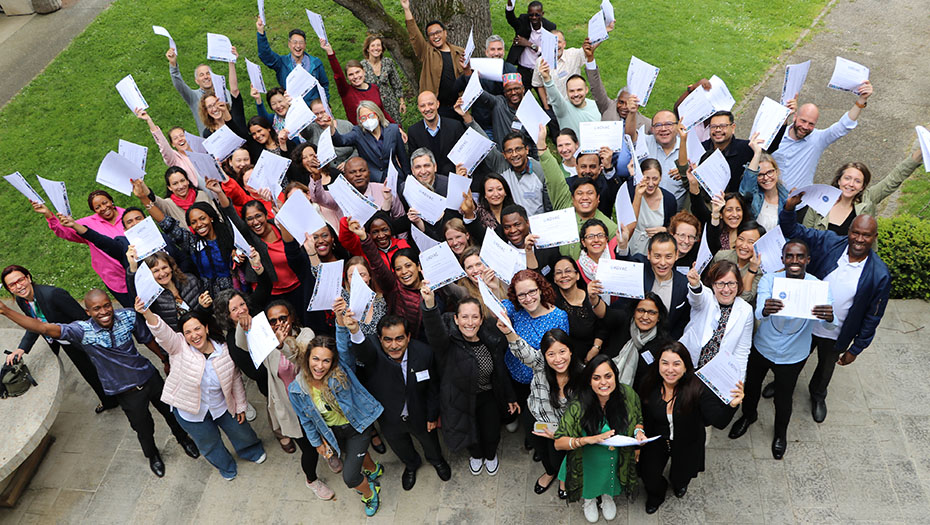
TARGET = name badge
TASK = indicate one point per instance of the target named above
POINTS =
(647, 357)
(422, 375)
(516, 125)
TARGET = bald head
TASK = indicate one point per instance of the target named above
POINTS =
(95, 294)
(805, 121)
(428, 105)
(98, 306)
(862, 234)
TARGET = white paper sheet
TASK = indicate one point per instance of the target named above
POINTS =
(240, 243)
(624, 206)
(820, 197)
(222, 143)
(592, 136)
(440, 266)
(719, 94)
(469, 45)
(351, 202)
(695, 148)
(713, 174)
(269, 173)
(489, 68)
(500, 256)
(261, 339)
(472, 92)
(161, 31)
(255, 76)
(769, 248)
(795, 75)
(195, 142)
(261, 11)
(638, 168)
(130, 94)
(549, 51)
(57, 193)
(19, 182)
(146, 238)
(494, 304)
(597, 28)
(431, 205)
(456, 187)
(608, 9)
(923, 137)
(360, 295)
(134, 152)
(390, 181)
(471, 148)
(147, 288)
(848, 75)
(326, 152)
(219, 88)
(769, 118)
(316, 21)
(704, 256)
(531, 115)
(299, 82)
(219, 48)
(621, 278)
(695, 108)
(640, 79)
(625, 441)
(721, 375)
(327, 287)
(554, 228)
(298, 117)
(299, 217)
(800, 296)
(423, 241)
(642, 147)
(118, 172)
(206, 165)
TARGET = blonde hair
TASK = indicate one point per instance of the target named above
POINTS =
(335, 371)
(371, 106)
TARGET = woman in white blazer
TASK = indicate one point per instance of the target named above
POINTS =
(720, 322)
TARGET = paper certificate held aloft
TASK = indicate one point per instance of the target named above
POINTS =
(327, 287)
(624, 206)
(19, 182)
(147, 288)
(923, 137)
(351, 201)
(440, 267)
(555, 228)
(695, 108)
(206, 166)
(255, 76)
(795, 75)
(769, 248)
(130, 93)
(219, 48)
(457, 187)
(531, 115)
(471, 148)
(769, 119)
(325, 151)
(472, 92)
(848, 75)
(695, 148)
(261, 11)
(195, 142)
(431, 206)
(219, 88)
(240, 243)
(360, 296)
(316, 21)
(549, 50)
(269, 173)
(57, 193)
(713, 174)
(621, 278)
(146, 238)
(721, 375)
(118, 172)
(719, 95)
(489, 68)
(820, 197)
(222, 143)
(299, 82)
(608, 9)
(161, 31)
(637, 166)
(491, 302)
(597, 28)
(134, 152)
(299, 217)
(423, 241)
(499, 256)
(469, 45)
(595, 135)
(261, 339)
(704, 255)
(640, 79)
(800, 296)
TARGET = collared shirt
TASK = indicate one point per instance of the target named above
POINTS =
(359, 338)
(526, 187)
(844, 281)
(664, 290)
(528, 58)
(118, 363)
(433, 132)
(782, 340)
(798, 159)
(677, 188)
(211, 391)
(567, 65)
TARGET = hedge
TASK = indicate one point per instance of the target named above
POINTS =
(904, 245)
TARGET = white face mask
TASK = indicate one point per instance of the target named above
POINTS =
(370, 124)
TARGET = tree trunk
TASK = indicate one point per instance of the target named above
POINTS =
(459, 16)
(394, 33)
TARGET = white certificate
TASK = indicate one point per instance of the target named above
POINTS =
(440, 267)
(555, 228)
(316, 21)
(299, 82)
(695, 148)
(597, 28)
(219, 87)
(19, 182)
(389, 182)
(608, 9)
(704, 255)
(423, 241)
(326, 152)
(57, 193)
(501, 257)
(161, 31)
(471, 148)
(795, 75)
(721, 375)
(145, 237)
(261, 11)
(625, 441)
(206, 166)
(255, 76)
(800, 296)
(769, 119)
(261, 339)
(134, 152)
(299, 217)
(298, 117)
(351, 201)
(769, 248)
(470, 45)
(642, 147)
(597, 134)
(719, 95)
(489, 68)
(492, 303)
(222, 143)
(360, 296)
(549, 50)
(621, 278)
(130, 93)
(713, 174)
(118, 172)
(531, 115)
(848, 75)
(695, 108)
(269, 172)
(147, 288)
(327, 287)
(640, 79)
(457, 186)
(240, 243)
(195, 142)
(219, 48)
(472, 92)
(637, 167)
(820, 197)
(431, 206)
(923, 137)
(624, 206)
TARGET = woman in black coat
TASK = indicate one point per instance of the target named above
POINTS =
(183, 293)
(475, 390)
(677, 405)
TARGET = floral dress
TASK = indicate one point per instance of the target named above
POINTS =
(389, 84)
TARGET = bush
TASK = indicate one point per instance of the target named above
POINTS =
(904, 244)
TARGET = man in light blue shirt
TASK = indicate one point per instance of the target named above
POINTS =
(781, 344)
(663, 146)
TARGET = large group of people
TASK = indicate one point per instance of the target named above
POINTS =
(605, 389)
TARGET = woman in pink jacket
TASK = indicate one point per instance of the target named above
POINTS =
(205, 389)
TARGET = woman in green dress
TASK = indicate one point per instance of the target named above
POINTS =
(604, 407)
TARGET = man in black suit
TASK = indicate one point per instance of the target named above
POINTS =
(528, 30)
(436, 134)
(400, 372)
(52, 305)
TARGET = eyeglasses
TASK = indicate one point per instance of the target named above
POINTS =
(664, 124)
(770, 174)
(511, 151)
(720, 285)
(529, 294)
(685, 237)
(650, 313)
(718, 126)
(276, 320)
(435, 33)
(595, 236)
(18, 282)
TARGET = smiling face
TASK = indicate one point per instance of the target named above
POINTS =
(256, 219)
(201, 223)
(178, 139)
(178, 184)
(726, 288)
(407, 272)
(594, 241)
(528, 294)
(646, 315)
(468, 319)
(375, 48)
(494, 192)
(310, 161)
(535, 15)
(436, 36)
(428, 105)
(357, 174)
(516, 228)
(239, 160)
(278, 315)
(721, 129)
(356, 77)
(851, 183)
(585, 200)
(603, 381)
(805, 120)
(862, 234)
(424, 170)
(566, 147)
(162, 273)
(651, 178)
(515, 152)
(732, 213)
(558, 357)
(259, 134)
(394, 340)
(589, 165)
(213, 107)
(768, 175)
(474, 268)
(622, 108)
(131, 218)
(20, 285)
(279, 104)
(319, 361)
(685, 235)
(565, 275)
(237, 308)
(196, 334)
(322, 117)
(513, 92)
(495, 50)
(744, 245)
(662, 257)
(380, 232)
(795, 257)
(457, 240)
(577, 90)
(99, 307)
(671, 367)
(202, 77)
(664, 125)
(323, 241)
(297, 44)
(104, 208)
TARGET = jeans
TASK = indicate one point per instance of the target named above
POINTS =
(827, 354)
(786, 377)
(206, 435)
(355, 448)
(135, 404)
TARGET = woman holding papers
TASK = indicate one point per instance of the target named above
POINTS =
(205, 389)
(585, 310)
(263, 137)
(356, 89)
(456, 235)
(493, 198)
(728, 211)
(216, 113)
(179, 194)
(566, 143)
(659, 207)
(595, 243)
(677, 406)
(176, 157)
(305, 166)
(743, 255)
(184, 292)
(368, 321)
(382, 72)
(376, 139)
(476, 270)
(639, 345)
(761, 184)
(380, 227)
(279, 102)
(603, 407)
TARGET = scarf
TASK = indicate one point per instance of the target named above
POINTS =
(186, 202)
(588, 268)
(628, 359)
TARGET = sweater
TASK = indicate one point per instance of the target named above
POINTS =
(352, 96)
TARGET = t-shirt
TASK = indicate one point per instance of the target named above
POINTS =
(447, 95)
(332, 415)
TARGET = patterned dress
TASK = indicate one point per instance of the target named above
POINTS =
(389, 84)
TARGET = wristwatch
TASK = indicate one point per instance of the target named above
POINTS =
(535, 47)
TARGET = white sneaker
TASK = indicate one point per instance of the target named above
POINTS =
(475, 465)
(492, 465)
(707, 436)
(250, 413)
(229, 479)
(590, 510)
(262, 458)
(608, 507)
(321, 490)
(512, 426)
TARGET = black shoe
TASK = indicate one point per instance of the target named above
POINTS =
(408, 479)
(740, 427)
(527, 445)
(779, 445)
(563, 494)
(190, 448)
(768, 391)
(652, 507)
(103, 408)
(380, 449)
(680, 493)
(157, 465)
(537, 457)
(444, 471)
(539, 489)
(819, 410)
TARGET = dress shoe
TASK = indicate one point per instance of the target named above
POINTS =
(408, 479)
(768, 392)
(819, 410)
(740, 427)
(680, 493)
(537, 457)
(652, 506)
(157, 465)
(190, 448)
(379, 448)
(563, 494)
(444, 471)
(103, 408)
(779, 445)
(539, 489)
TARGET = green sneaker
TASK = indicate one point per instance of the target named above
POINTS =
(372, 503)
(372, 476)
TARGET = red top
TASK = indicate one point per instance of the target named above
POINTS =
(352, 96)
(287, 279)
(353, 244)
(239, 197)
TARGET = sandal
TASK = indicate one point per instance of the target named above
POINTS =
(290, 447)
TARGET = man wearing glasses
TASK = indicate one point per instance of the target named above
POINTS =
(297, 57)
(663, 146)
(736, 151)
(442, 61)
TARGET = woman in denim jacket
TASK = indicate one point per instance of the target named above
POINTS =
(761, 185)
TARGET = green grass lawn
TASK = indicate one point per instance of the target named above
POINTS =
(64, 122)
(914, 194)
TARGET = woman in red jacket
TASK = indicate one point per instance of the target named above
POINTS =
(381, 229)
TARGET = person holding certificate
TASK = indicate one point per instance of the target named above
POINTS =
(493, 197)
(456, 235)
(677, 406)
(762, 185)
(476, 270)
(357, 88)
(585, 310)
(368, 321)
(686, 229)
(180, 194)
(185, 291)
(279, 102)
(174, 153)
(262, 136)
(782, 343)
(728, 211)
(659, 206)
(743, 255)
(595, 243)
(216, 112)
(566, 144)
(635, 346)
(376, 139)
(381, 228)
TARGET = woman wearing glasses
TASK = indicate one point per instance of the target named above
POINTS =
(762, 185)
(686, 229)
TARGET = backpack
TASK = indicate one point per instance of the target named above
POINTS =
(15, 379)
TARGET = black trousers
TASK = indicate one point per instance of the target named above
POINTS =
(551, 458)
(827, 354)
(786, 377)
(308, 456)
(488, 423)
(652, 460)
(88, 371)
(135, 404)
(398, 434)
(522, 392)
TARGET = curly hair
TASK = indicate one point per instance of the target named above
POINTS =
(684, 217)
(546, 293)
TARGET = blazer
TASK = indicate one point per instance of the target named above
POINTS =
(521, 27)
(705, 313)
(58, 307)
(450, 131)
(680, 310)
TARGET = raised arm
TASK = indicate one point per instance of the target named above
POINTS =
(413, 32)
(603, 101)
(33, 325)
(265, 54)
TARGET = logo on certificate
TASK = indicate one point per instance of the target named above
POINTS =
(782, 295)
(825, 198)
